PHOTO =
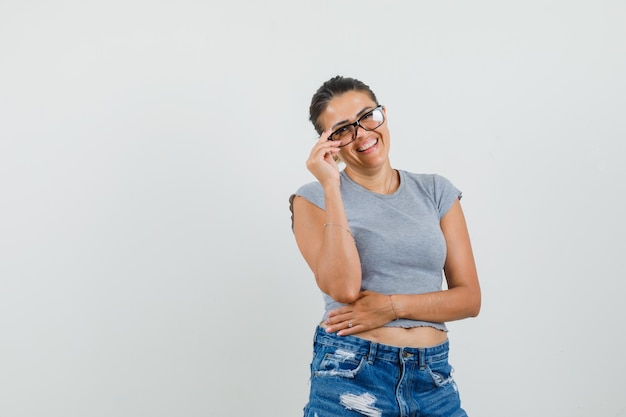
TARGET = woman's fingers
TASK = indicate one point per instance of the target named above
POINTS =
(337, 318)
(346, 327)
(344, 321)
(324, 136)
(324, 146)
(321, 160)
(368, 312)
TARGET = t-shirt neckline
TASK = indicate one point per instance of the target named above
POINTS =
(349, 180)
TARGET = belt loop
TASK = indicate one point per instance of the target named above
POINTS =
(372, 353)
(421, 358)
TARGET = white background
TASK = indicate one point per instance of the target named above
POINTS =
(148, 150)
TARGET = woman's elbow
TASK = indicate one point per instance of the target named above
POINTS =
(474, 304)
(474, 311)
(344, 294)
(343, 287)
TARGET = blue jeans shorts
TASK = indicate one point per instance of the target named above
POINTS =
(354, 377)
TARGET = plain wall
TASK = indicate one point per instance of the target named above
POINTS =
(148, 150)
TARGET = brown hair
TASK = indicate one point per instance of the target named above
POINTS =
(331, 88)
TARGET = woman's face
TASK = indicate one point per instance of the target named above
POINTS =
(370, 148)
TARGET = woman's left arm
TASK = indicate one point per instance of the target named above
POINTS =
(461, 300)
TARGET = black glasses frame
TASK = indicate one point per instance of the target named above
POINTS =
(358, 124)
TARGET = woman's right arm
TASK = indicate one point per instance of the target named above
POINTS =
(323, 236)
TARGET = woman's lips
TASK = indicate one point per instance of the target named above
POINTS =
(367, 145)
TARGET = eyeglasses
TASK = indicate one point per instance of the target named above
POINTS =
(369, 121)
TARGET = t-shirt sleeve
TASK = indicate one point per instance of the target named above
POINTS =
(445, 194)
(312, 192)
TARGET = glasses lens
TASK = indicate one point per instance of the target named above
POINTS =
(344, 135)
(373, 119)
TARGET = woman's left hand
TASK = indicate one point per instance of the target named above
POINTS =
(370, 311)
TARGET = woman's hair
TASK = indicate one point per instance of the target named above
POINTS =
(331, 88)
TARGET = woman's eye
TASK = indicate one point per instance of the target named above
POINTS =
(367, 115)
(342, 131)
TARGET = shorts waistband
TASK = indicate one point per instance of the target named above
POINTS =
(374, 350)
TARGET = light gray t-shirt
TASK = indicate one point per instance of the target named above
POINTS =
(398, 236)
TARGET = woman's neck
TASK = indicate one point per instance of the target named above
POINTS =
(381, 181)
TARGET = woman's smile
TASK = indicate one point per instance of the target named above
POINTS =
(367, 145)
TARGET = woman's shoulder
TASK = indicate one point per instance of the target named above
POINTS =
(428, 180)
(312, 188)
(312, 192)
(436, 187)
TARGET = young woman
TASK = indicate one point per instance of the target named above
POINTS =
(379, 241)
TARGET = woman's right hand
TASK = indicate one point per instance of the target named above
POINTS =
(321, 160)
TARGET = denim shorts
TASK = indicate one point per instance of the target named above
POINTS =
(351, 376)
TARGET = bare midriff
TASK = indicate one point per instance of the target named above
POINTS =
(419, 337)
